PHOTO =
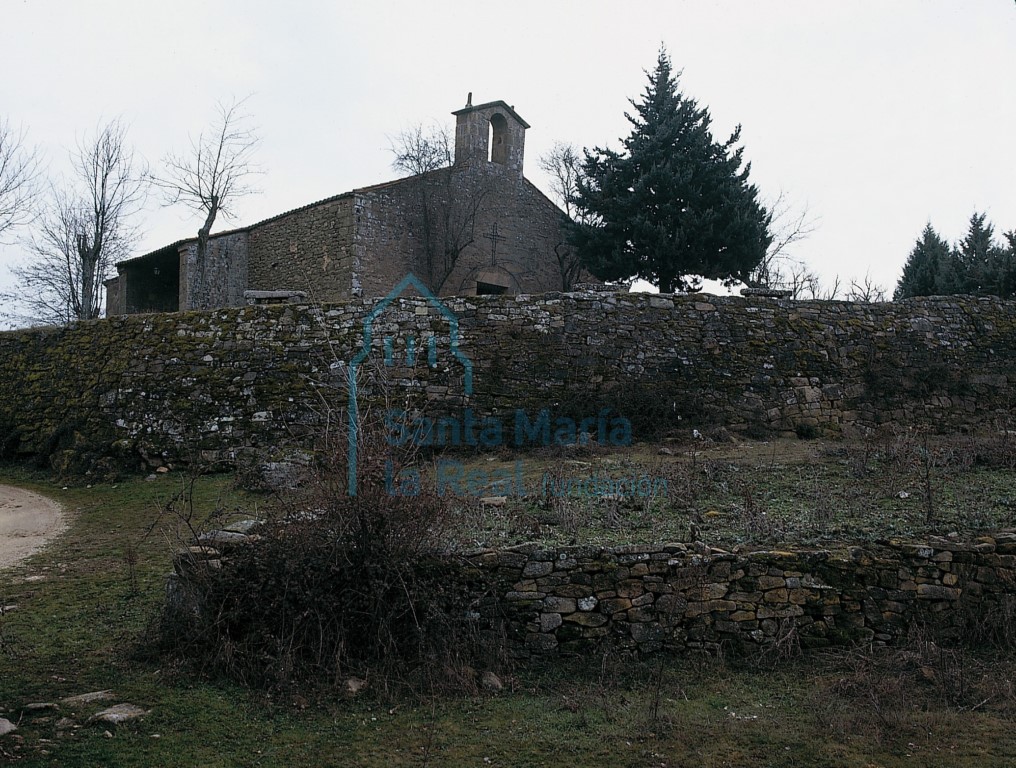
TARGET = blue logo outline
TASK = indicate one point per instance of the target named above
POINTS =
(410, 280)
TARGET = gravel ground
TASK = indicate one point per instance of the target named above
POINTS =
(27, 522)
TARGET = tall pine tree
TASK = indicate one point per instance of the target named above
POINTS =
(1007, 265)
(974, 255)
(975, 265)
(674, 203)
(921, 273)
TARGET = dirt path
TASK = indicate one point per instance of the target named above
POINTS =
(27, 521)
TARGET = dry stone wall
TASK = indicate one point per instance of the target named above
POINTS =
(690, 597)
(644, 599)
(216, 384)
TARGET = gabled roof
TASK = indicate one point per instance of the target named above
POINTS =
(333, 198)
(503, 105)
(299, 209)
(233, 231)
(176, 245)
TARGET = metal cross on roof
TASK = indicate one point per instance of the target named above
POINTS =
(494, 238)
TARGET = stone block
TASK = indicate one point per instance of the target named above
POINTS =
(550, 621)
(779, 612)
(707, 592)
(671, 605)
(559, 604)
(647, 633)
(771, 582)
(587, 603)
(584, 619)
(937, 592)
(573, 590)
(537, 568)
(539, 642)
(523, 597)
(630, 588)
(641, 614)
(615, 605)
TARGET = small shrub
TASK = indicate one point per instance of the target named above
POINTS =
(757, 523)
(784, 646)
(996, 450)
(875, 690)
(806, 431)
(990, 624)
(336, 584)
(757, 430)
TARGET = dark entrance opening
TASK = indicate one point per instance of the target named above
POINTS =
(489, 289)
(153, 282)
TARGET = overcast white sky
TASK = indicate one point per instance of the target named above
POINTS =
(877, 115)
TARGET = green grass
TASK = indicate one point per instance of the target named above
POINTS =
(81, 617)
(781, 493)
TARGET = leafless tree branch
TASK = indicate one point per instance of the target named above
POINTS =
(789, 226)
(19, 172)
(449, 227)
(216, 171)
(417, 150)
(447, 217)
(218, 168)
(866, 289)
(562, 164)
(82, 229)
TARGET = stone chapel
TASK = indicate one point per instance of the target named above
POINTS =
(478, 226)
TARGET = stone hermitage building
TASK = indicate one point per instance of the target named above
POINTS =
(475, 227)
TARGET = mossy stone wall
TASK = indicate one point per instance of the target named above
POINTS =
(212, 384)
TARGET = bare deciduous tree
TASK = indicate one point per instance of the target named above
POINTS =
(19, 170)
(449, 228)
(563, 165)
(866, 289)
(568, 263)
(446, 217)
(795, 277)
(801, 282)
(215, 172)
(418, 150)
(788, 227)
(82, 230)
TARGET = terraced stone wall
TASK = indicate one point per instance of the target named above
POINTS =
(572, 600)
(691, 597)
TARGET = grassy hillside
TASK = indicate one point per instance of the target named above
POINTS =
(75, 619)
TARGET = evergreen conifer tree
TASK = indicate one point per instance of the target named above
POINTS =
(921, 274)
(975, 256)
(1007, 266)
(975, 265)
(674, 203)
